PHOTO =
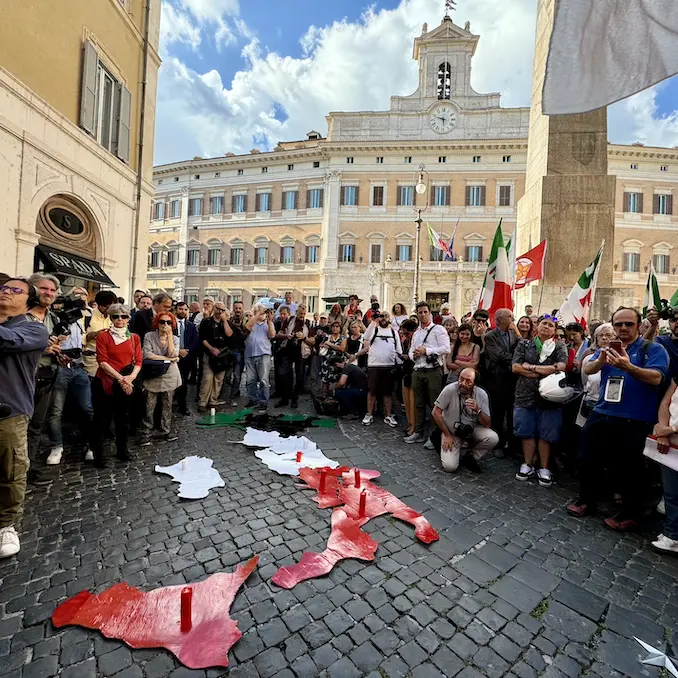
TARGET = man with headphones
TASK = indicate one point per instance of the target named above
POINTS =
(23, 338)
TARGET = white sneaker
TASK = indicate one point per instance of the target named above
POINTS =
(391, 421)
(414, 438)
(545, 477)
(367, 419)
(526, 472)
(9, 542)
(428, 445)
(55, 456)
(666, 544)
(661, 507)
(89, 455)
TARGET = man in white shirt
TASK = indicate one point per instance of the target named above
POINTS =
(429, 343)
(382, 356)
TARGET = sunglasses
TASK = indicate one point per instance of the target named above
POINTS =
(626, 323)
(164, 322)
(117, 316)
(552, 318)
(12, 290)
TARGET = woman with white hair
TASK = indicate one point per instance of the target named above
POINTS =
(602, 337)
(119, 356)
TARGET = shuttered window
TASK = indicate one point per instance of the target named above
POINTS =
(349, 196)
(289, 200)
(378, 196)
(475, 196)
(314, 198)
(662, 263)
(631, 262)
(633, 202)
(663, 204)
(263, 202)
(474, 253)
(504, 196)
(441, 196)
(375, 254)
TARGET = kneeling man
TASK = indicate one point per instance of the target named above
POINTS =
(462, 413)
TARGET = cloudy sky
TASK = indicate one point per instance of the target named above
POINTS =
(240, 74)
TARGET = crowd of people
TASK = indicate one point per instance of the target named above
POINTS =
(557, 397)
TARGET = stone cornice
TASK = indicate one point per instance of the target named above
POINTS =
(630, 151)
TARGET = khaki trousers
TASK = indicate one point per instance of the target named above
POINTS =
(13, 468)
(210, 386)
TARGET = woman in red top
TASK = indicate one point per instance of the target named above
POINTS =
(119, 356)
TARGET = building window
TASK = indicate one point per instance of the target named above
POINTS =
(311, 304)
(405, 195)
(408, 159)
(441, 196)
(217, 175)
(261, 256)
(289, 200)
(476, 158)
(634, 165)
(662, 263)
(633, 202)
(349, 161)
(195, 207)
(664, 168)
(264, 170)
(347, 254)
(315, 198)
(236, 256)
(316, 164)
(192, 298)
(475, 196)
(287, 255)
(380, 160)
(175, 209)
(196, 176)
(349, 196)
(155, 259)
(404, 253)
(663, 204)
(444, 83)
(213, 257)
(375, 253)
(172, 258)
(159, 182)
(239, 204)
(436, 254)
(176, 178)
(217, 204)
(263, 202)
(193, 257)
(504, 196)
(378, 196)
(506, 158)
(442, 158)
(631, 262)
(312, 254)
(474, 253)
(290, 168)
(159, 211)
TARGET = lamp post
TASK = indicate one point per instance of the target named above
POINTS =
(420, 187)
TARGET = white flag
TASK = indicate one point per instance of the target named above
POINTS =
(602, 51)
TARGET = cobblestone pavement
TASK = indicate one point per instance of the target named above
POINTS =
(513, 587)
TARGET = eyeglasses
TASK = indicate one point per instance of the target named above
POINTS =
(552, 318)
(117, 316)
(12, 290)
(164, 322)
(625, 323)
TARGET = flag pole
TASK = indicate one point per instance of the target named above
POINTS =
(541, 296)
(595, 275)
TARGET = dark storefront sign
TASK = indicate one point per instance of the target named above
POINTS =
(64, 263)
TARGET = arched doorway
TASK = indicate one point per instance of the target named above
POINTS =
(69, 244)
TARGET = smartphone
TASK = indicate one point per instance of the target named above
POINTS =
(616, 345)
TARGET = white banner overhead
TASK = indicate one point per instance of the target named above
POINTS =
(602, 51)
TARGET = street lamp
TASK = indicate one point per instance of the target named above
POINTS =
(421, 180)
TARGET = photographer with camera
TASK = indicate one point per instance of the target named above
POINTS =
(258, 353)
(72, 381)
(214, 332)
(462, 415)
(23, 338)
(429, 343)
(668, 341)
(382, 359)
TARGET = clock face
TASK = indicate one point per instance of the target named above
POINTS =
(443, 119)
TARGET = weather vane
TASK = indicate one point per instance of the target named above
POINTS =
(450, 6)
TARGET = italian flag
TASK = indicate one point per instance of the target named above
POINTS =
(653, 298)
(576, 307)
(436, 240)
(496, 291)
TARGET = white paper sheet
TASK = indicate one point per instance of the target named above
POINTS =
(670, 459)
(196, 475)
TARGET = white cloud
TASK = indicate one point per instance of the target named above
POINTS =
(176, 26)
(185, 21)
(349, 66)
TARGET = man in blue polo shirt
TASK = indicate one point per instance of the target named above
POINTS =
(615, 433)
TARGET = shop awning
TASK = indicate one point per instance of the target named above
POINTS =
(64, 263)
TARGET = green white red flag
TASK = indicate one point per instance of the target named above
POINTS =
(437, 241)
(576, 307)
(496, 292)
(653, 298)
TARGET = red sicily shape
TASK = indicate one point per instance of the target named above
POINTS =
(347, 540)
(153, 619)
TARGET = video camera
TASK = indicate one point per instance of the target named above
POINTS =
(667, 312)
(71, 310)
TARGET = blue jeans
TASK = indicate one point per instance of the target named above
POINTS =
(75, 383)
(257, 370)
(351, 400)
(670, 485)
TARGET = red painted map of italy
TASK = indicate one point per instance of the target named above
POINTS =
(192, 622)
